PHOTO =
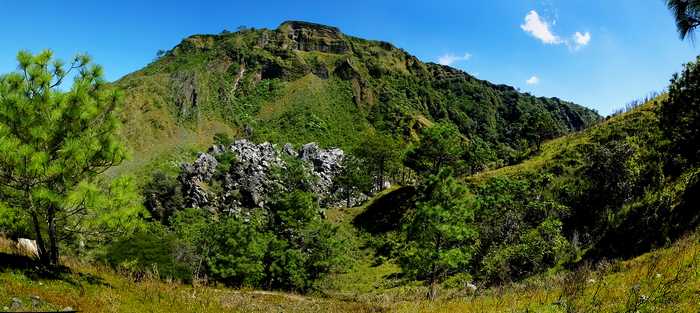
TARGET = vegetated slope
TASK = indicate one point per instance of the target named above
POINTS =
(306, 82)
(621, 195)
(666, 280)
(609, 191)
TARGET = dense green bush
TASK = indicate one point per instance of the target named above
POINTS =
(163, 196)
(286, 246)
(680, 113)
(534, 251)
(520, 229)
(237, 251)
(154, 250)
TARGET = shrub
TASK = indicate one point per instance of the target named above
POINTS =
(163, 196)
(287, 246)
(535, 251)
(153, 250)
(520, 229)
(237, 252)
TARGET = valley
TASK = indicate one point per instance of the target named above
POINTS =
(303, 169)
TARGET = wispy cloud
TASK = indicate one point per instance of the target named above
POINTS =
(449, 58)
(534, 80)
(541, 29)
(581, 40)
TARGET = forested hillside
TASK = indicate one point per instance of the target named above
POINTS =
(305, 82)
(612, 191)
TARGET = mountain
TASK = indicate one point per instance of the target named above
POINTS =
(305, 82)
(533, 211)
(557, 184)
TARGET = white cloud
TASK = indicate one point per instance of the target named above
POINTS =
(534, 80)
(449, 59)
(539, 28)
(581, 40)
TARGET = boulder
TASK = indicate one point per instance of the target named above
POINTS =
(27, 247)
(193, 177)
(16, 304)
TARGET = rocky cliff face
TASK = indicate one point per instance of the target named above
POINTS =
(248, 180)
(307, 36)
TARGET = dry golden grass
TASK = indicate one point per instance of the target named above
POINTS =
(666, 280)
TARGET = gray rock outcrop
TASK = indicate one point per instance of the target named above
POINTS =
(248, 179)
(193, 178)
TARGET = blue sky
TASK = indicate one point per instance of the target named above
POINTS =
(599, 53)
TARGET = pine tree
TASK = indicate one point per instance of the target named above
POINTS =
(382, 155)
(52, 141)
(353, 179)
(687, 14)
(441, 145)
(440, 236)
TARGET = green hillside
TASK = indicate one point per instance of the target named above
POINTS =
(623, 194)
(305, 82)
(450, 193)
(606, 192)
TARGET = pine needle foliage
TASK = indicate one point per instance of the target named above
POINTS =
(687, 15)
(441, 238)
(52, 141)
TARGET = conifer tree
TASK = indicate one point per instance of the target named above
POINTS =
(354, 178)
(680, 113)
(440, 235)
(687, 15)
(441, 146)
(53, 141)
(381, 154)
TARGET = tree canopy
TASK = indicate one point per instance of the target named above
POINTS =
(52, 141)
(681, 112)
(441, 145)
(687, 14)
(440, 236)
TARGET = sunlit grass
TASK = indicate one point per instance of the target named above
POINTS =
(665, 280)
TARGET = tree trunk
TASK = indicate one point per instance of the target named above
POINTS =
(432, 294)
(53, 241)
(347, 193)
(41, 247)
(381, 175)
